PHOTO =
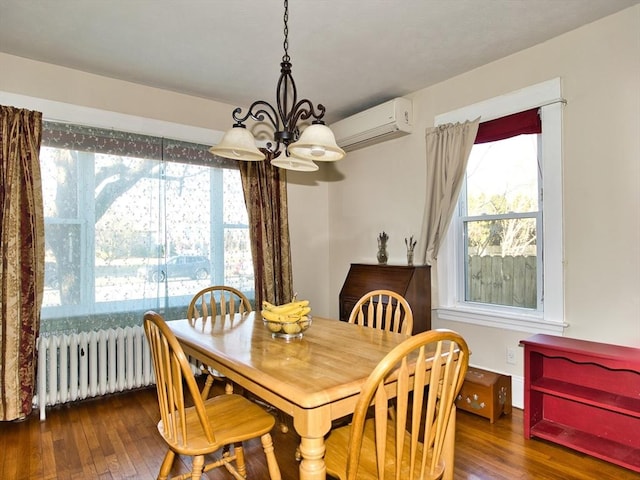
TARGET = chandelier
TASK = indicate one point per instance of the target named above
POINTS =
(290, 148)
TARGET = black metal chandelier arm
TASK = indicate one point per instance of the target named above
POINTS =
(299, 112)
(274, 147)
(258, 111)
(286, 92)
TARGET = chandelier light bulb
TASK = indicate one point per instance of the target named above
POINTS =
(317, 150)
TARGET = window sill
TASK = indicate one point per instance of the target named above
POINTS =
(502, 320)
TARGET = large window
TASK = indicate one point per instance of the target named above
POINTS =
(501, 263)
(500, 214)
(135, 222)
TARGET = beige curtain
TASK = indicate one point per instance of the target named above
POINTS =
(22, 260)
(265, 193)
(448, 149)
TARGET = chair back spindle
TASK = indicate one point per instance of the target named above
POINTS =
(218, 300)
(384, 310)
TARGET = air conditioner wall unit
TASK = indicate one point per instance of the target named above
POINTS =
(388, 120)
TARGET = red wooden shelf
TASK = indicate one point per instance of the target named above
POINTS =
(593, 445)
(591, 396)
(584, 395)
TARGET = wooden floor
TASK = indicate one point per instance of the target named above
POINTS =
(115, 437)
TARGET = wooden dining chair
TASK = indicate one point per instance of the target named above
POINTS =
(208, 425)
(224, 300)
(218, 300)
(207, 304)
(425, 374)
(384, 310)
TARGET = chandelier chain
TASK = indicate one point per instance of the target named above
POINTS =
(285, 57)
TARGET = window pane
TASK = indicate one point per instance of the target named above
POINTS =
(124, 213)
(238, 268)
(188, 233)
(500, 262)
(59, 168)
(235, 211)
(62, 272)
(65, 229)
(238, 265)
(502, 176)
(188, 209)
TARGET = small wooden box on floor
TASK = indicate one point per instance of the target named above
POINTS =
(485, 393)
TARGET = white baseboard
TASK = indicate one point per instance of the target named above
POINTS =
(517, 392)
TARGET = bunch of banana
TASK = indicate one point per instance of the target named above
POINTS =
(288, 317)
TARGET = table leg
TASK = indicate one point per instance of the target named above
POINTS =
(312, 466)
(312, 425)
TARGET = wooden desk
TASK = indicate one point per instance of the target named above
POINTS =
(413, 283)
(315, 379)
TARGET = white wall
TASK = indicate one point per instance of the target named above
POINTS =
(308, 220)
(599, 66)
(337, 213)
(60, 84)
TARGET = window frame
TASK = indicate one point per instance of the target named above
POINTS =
(550, 319)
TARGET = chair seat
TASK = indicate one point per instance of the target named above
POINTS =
(367, 469)
(225, 411)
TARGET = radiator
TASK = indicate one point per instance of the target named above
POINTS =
(89, 364)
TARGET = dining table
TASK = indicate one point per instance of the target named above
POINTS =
(315, 378)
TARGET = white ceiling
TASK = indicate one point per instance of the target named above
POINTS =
(346, 54)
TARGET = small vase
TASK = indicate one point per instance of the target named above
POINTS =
(382, 256)
(410, 259)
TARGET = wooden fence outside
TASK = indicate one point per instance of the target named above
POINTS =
(509, 280)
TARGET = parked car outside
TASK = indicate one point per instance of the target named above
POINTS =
(192, 266)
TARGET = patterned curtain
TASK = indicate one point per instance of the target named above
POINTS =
(265, 194)
(22, 260)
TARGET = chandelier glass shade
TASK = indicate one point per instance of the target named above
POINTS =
(290, 162)
(239, 144)
(291, 148)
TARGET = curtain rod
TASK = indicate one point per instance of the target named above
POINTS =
(552, 102)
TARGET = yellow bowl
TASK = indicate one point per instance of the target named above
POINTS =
(288, 330)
